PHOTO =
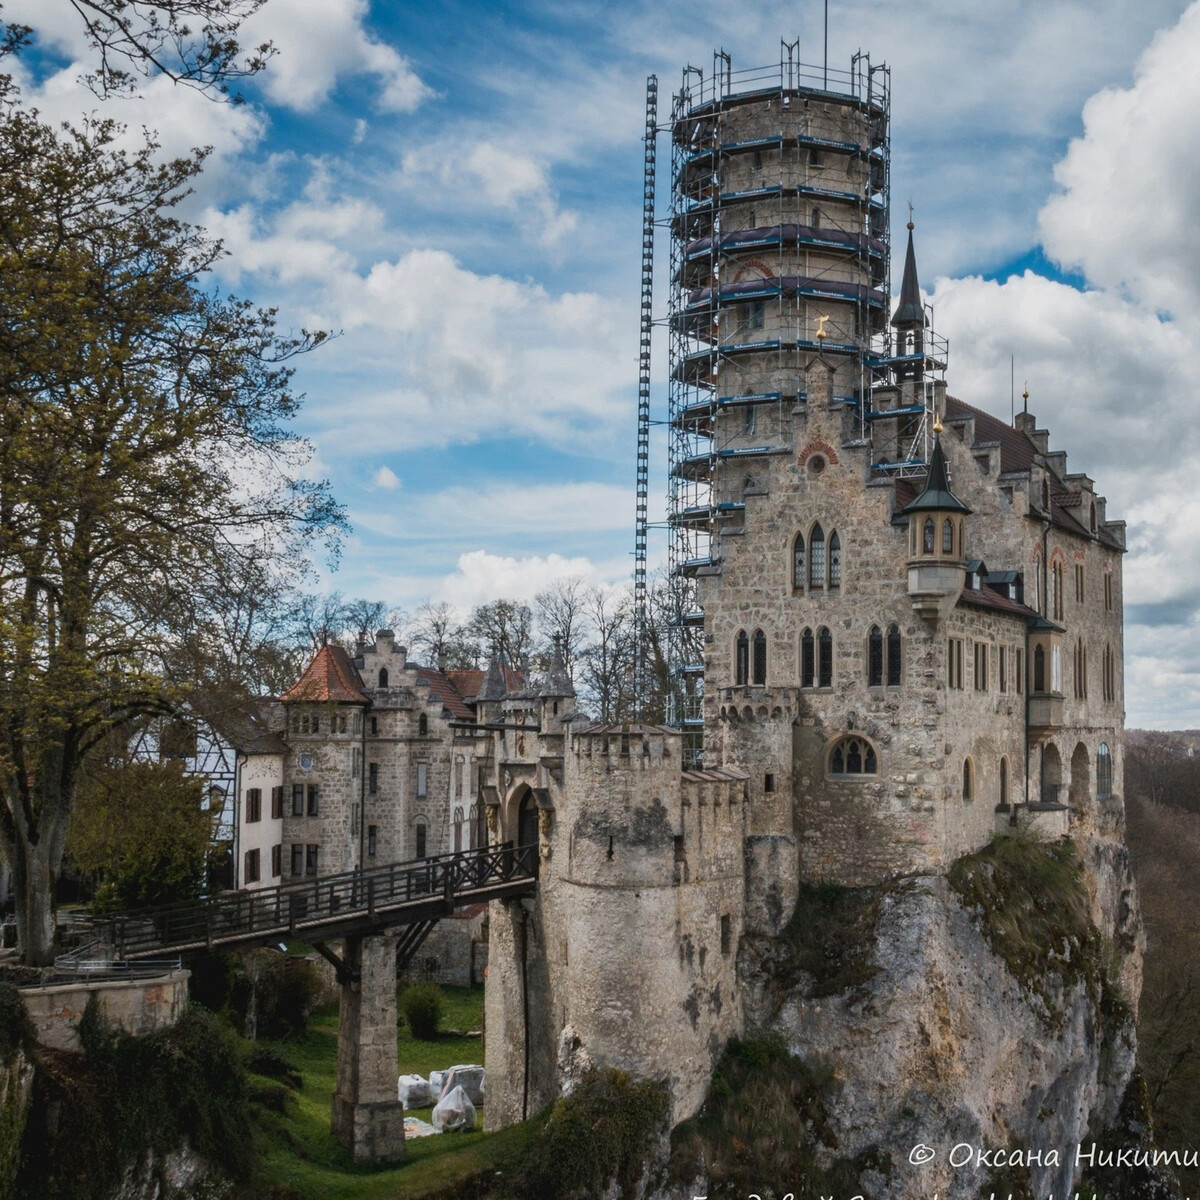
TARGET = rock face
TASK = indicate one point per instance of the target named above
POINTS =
(944, 1045)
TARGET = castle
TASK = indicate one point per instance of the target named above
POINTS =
(898, 627)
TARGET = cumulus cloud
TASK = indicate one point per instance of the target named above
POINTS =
(387, 479)
(322, 41)
(481, 577)
(1129, 213)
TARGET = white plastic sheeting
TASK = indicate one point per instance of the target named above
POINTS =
(454, 1111)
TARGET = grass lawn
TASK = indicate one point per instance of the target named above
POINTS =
(298, 1152)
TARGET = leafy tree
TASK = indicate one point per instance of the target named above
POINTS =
(142, 827)
(144, 453)
(192, 42)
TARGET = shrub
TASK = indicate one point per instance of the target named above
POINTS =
(605, 1131)
(264, 1061)
(16, 1029)
(421, 1004)
(279, 989)
(98, 1113)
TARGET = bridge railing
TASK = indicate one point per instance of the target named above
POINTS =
(330, 899)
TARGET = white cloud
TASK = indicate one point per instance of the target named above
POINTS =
(1129, 214)
(481, 577)
(387, 479)
(321, 41)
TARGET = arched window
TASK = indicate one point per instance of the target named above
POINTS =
(947, 536)
(824, 658)
(807, 659)
(894, 659)
(383, 677)
(852, 755)
(760, 657)
(472, 820)
(1104, 772)
(1039, 669)
(1004, 781)
(968, 781)
(423, 725)
(875, 657)
(816, 558)
(741, 659)
(835, 560)
(927, 546)
(798, 563)
(422, 839)
(458, 830)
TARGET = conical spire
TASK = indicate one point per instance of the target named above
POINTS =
(910, 314)
(937, 494)
(495, 685)
(558, 678)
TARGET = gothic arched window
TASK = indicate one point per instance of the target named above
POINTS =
(875, 657)
(927, 537)
(816, 558)
(807, 659)
(423, 725)
(798, 577)
(1104, 772)
(852, 755)
(894, 659)
(760, 657)
(383, 677)
(824, 658)
(835, 560)
(947, 536)
(741, 659)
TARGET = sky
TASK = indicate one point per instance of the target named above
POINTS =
(455, 191)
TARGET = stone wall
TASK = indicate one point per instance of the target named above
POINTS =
(138, 1006)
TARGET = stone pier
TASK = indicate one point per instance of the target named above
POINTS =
(368, 1118)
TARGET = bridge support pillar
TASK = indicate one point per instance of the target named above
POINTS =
(368, 1118)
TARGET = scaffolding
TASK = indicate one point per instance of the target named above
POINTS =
(780, 249)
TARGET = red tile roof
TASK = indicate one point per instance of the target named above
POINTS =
(443, 687)
(330, 678)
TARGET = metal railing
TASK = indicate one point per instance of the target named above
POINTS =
(333, 905)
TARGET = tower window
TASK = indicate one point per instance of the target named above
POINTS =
(741, 665)
(760, 657)
(798, 563)
(768, 783)
(875, 657)
(807, 659)
(927, 536)
(383, 677)
(423, 725)
(835, 560)
(816, 558)
(422, 839)
(756, 311)
(824, 658)
(947, 536)
(894, 659)
(1039, 669)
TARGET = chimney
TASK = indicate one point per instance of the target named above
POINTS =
(384, 641)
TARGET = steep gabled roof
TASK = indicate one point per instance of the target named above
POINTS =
(441, 685)
(330, 678)
(910, 314)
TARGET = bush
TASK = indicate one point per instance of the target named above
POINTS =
(98, 1113)
(421, 1004)
(278, 989)
(605, 1131)
(264, 1061)
(16, 1029)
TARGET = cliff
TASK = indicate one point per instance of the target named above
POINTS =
(957, 1033)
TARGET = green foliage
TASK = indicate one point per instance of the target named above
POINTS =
(604, 1131)
(263, 1060)
(1032, 902)
(271, 995)
(211, 980)
(765, 1120)
(421, 1004)
(142, 827)
(98, 1113)
(16, 1029)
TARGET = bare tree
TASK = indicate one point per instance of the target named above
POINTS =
(437, 635)
(503, 627)
(606, 662)
(559, 611)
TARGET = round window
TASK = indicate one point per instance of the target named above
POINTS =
(816, 464)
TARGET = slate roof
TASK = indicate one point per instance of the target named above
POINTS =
(330, 678)
(910, 312)
(987, 597)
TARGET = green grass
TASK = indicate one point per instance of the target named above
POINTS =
(300, 1154)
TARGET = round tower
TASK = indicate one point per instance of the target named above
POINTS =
(779, 253)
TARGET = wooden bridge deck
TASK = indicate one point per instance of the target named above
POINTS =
(414, 893)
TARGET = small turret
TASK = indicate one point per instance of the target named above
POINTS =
(557, 691)
(937, 535)
(909, 319)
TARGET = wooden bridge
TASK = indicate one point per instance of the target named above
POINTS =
(413, 894)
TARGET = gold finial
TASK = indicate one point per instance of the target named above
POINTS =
(910, 213)
(1025, 396)
(937, 424)
(821, 334)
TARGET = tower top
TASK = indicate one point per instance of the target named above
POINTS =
(937, 493)
(910, 313)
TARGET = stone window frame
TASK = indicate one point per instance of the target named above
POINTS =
(1104, 772)
(970, 781)
(871, 752)
(758, 658)
(1003, 779)
(741, 659)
